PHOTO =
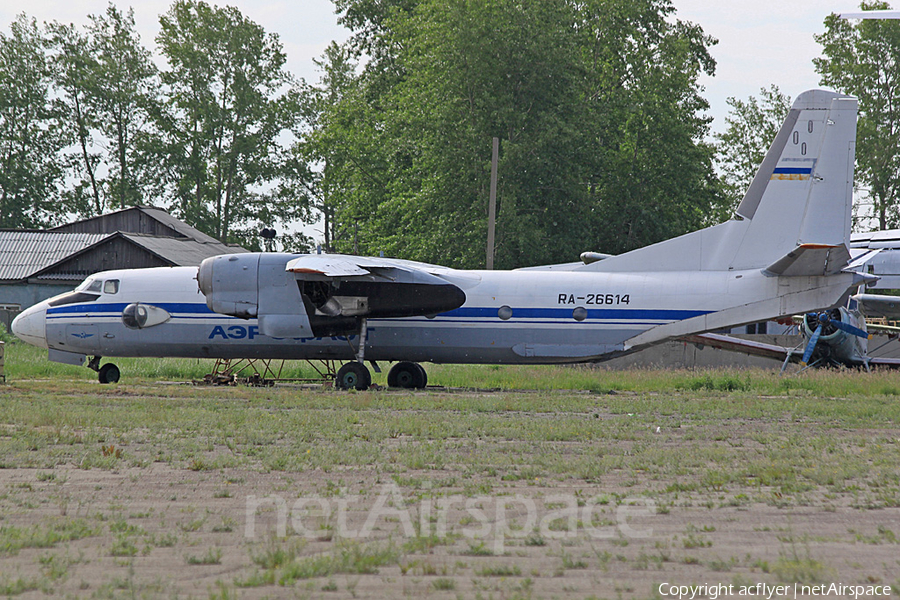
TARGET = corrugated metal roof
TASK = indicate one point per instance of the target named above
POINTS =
(182, 252)
(25, 252)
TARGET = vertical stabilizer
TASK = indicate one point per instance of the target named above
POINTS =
(800, 196)
(802, 193)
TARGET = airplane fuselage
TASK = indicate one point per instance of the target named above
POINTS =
(508, 317)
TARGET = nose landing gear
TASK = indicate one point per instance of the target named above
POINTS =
(108, 373)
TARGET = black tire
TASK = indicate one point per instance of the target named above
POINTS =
(353, 375)
(406, 375)
(424, 376)
(108, 373)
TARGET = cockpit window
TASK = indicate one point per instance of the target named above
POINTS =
(74, 298)
(111, 286)
(91, 285)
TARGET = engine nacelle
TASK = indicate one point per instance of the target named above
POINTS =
(312, 304)
(230, 283)
(255, 285)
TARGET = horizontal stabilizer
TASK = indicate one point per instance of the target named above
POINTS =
(787, 303)
(810, 260)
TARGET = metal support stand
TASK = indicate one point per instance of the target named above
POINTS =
(264, 372)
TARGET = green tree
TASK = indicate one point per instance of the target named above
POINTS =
(227, 105)
(751, 127)
(74, 69)
(123, 97)
(862, 60)
(318, 170)
(30, 133)
(596, 104)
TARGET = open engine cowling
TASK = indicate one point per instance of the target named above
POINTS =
(309, 303)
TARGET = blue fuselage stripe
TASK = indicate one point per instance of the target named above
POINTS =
(465, 314)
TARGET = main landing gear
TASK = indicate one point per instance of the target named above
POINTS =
(402, 375)
(108, 373)
(407, 375)
(356, 375)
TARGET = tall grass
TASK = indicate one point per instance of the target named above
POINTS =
(24, 362)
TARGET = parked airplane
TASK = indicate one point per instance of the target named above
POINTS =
(832, 338)
(784, 252)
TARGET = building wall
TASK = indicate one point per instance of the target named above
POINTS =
(24, 295)
(133, 221)
(116, 253)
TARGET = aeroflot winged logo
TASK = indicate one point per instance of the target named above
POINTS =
(83, 335)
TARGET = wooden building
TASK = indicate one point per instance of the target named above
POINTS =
(35, 265)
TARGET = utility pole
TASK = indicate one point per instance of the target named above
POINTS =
(492, 206)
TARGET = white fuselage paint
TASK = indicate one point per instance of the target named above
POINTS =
(542, 327)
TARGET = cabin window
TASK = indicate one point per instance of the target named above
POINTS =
(111, 286)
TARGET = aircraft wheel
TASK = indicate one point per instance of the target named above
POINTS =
(108, 373)
(424, 376)
(406, 375)
(353, 375)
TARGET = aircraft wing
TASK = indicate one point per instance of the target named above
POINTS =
(331, 265)
(872, 14)
(774, 351)
(877, 305)
(319, 295)
(888, 363)
(752, 347)
(882, 329)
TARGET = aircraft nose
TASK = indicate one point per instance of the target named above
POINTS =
(31, 325)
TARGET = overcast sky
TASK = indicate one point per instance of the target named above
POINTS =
(760, 43)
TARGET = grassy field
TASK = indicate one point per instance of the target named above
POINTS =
(549, 482)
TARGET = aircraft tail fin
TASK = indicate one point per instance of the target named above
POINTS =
(800, 198)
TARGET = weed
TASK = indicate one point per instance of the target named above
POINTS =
(444, 584)
(213, 556)
(499, 571)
